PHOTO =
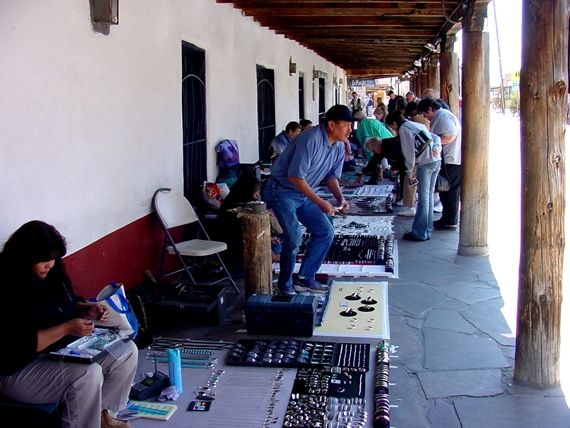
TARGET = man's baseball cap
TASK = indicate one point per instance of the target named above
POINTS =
(339, 112)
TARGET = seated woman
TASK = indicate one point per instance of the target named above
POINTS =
(40, 314)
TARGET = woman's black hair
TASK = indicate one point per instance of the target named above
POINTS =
(32, 243)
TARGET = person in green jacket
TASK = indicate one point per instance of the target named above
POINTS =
(369, 127)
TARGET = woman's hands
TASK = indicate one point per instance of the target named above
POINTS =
(93, 311)
(80, 327)
(75, 327)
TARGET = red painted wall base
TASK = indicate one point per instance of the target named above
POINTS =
(121, 256)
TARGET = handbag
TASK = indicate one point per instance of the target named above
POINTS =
(121, 315)
(442, 184)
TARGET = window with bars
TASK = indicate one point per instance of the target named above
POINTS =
(265, 110)
(194, 121)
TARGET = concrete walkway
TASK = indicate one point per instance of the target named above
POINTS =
(454, 351)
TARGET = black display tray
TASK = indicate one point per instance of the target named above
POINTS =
(321, 381)
(300, 353)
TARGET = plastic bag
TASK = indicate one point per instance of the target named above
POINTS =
(228, 153)
(214, 194)
(121, 315)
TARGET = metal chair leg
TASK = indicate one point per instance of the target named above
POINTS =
(185, 266)
(234, 285)
(162, 257)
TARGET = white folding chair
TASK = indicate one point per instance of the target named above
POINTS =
(174, 210)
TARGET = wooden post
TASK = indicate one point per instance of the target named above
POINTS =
(475, 136)
(433, 73)
(424, 77)
(256, 253)
(449, 74)
(418, 83)
(544, 87)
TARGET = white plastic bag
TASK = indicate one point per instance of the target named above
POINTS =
(121, 316)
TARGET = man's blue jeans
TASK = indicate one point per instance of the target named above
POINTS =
(423, 221)
(292, 207)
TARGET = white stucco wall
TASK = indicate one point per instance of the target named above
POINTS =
(90, 124)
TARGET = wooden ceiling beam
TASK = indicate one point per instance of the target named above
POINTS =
(408, 49)
(347, 21)
(357, 33)
(385, 35)
(391, 12)
(372, 72)
(364, 42)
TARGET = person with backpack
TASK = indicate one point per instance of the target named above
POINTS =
(422, 153)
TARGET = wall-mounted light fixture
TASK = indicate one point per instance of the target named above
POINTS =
(316, 73)
(105, 11)
(292, 66)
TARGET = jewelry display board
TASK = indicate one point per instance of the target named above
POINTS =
(385, 189)
(355, 270)
(356, 309)
(360, 226)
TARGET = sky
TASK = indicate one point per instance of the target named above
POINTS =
(509, 25)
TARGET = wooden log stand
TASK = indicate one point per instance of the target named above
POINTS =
(256, 253)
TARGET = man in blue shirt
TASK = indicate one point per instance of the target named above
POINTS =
(315, 155)
(283, 139)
